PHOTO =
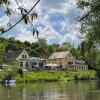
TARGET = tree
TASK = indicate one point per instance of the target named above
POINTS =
(75, 52)
(90, 21)
(12, 45)
(90, 26)
(1, 52)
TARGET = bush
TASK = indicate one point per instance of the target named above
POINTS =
(85, 75)
(48, 75)
(42, 76)
(20, 72)
(7, 74)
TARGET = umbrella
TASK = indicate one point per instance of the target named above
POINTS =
(52, 65)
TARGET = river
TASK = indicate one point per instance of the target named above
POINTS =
(73, 90)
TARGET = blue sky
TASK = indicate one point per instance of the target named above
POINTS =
(55, 22)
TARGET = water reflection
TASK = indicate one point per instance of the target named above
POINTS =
(9, 84)
(83, 90)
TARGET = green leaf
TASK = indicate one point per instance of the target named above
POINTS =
(9, 24)
(2, 30)
(5, 1)
(8, 11)
(37, 32)
(34, 30)
(25, 18)
(23, 10)
(33, 16)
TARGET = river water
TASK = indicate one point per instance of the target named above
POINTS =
(72, 90)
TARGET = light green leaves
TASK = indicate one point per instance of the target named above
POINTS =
(35, 31)
(25, 18)
(6, 2)
(2, 30)
(33, 16)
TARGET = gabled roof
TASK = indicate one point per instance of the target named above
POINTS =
(12, 55)
(59, 55)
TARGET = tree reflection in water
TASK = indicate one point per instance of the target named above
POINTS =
(81, 90)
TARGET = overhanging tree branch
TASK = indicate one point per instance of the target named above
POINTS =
(88, 13)
(21, 18)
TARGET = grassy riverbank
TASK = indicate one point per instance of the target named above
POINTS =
(56, 76)
(50, 76)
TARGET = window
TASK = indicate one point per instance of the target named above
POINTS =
(22, 56)
(27, 64)
(21, 64)
(25, 56)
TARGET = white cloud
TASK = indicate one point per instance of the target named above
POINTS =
(72, 37)
(65, 24)
(25, 35)
(46, 9)
(3, 21)
(62, 10)
(56, 6)
(49, 33)
(46, 20)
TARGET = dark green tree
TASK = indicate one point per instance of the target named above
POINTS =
(90, 21)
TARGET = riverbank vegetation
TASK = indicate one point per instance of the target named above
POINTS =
(50, 76)
(56, 76)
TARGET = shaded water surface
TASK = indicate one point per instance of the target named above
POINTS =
(82, 90)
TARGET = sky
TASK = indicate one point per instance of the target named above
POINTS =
(56, 21)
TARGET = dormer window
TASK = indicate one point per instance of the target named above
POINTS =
(22, 56)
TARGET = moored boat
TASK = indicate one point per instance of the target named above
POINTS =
(9, 80)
